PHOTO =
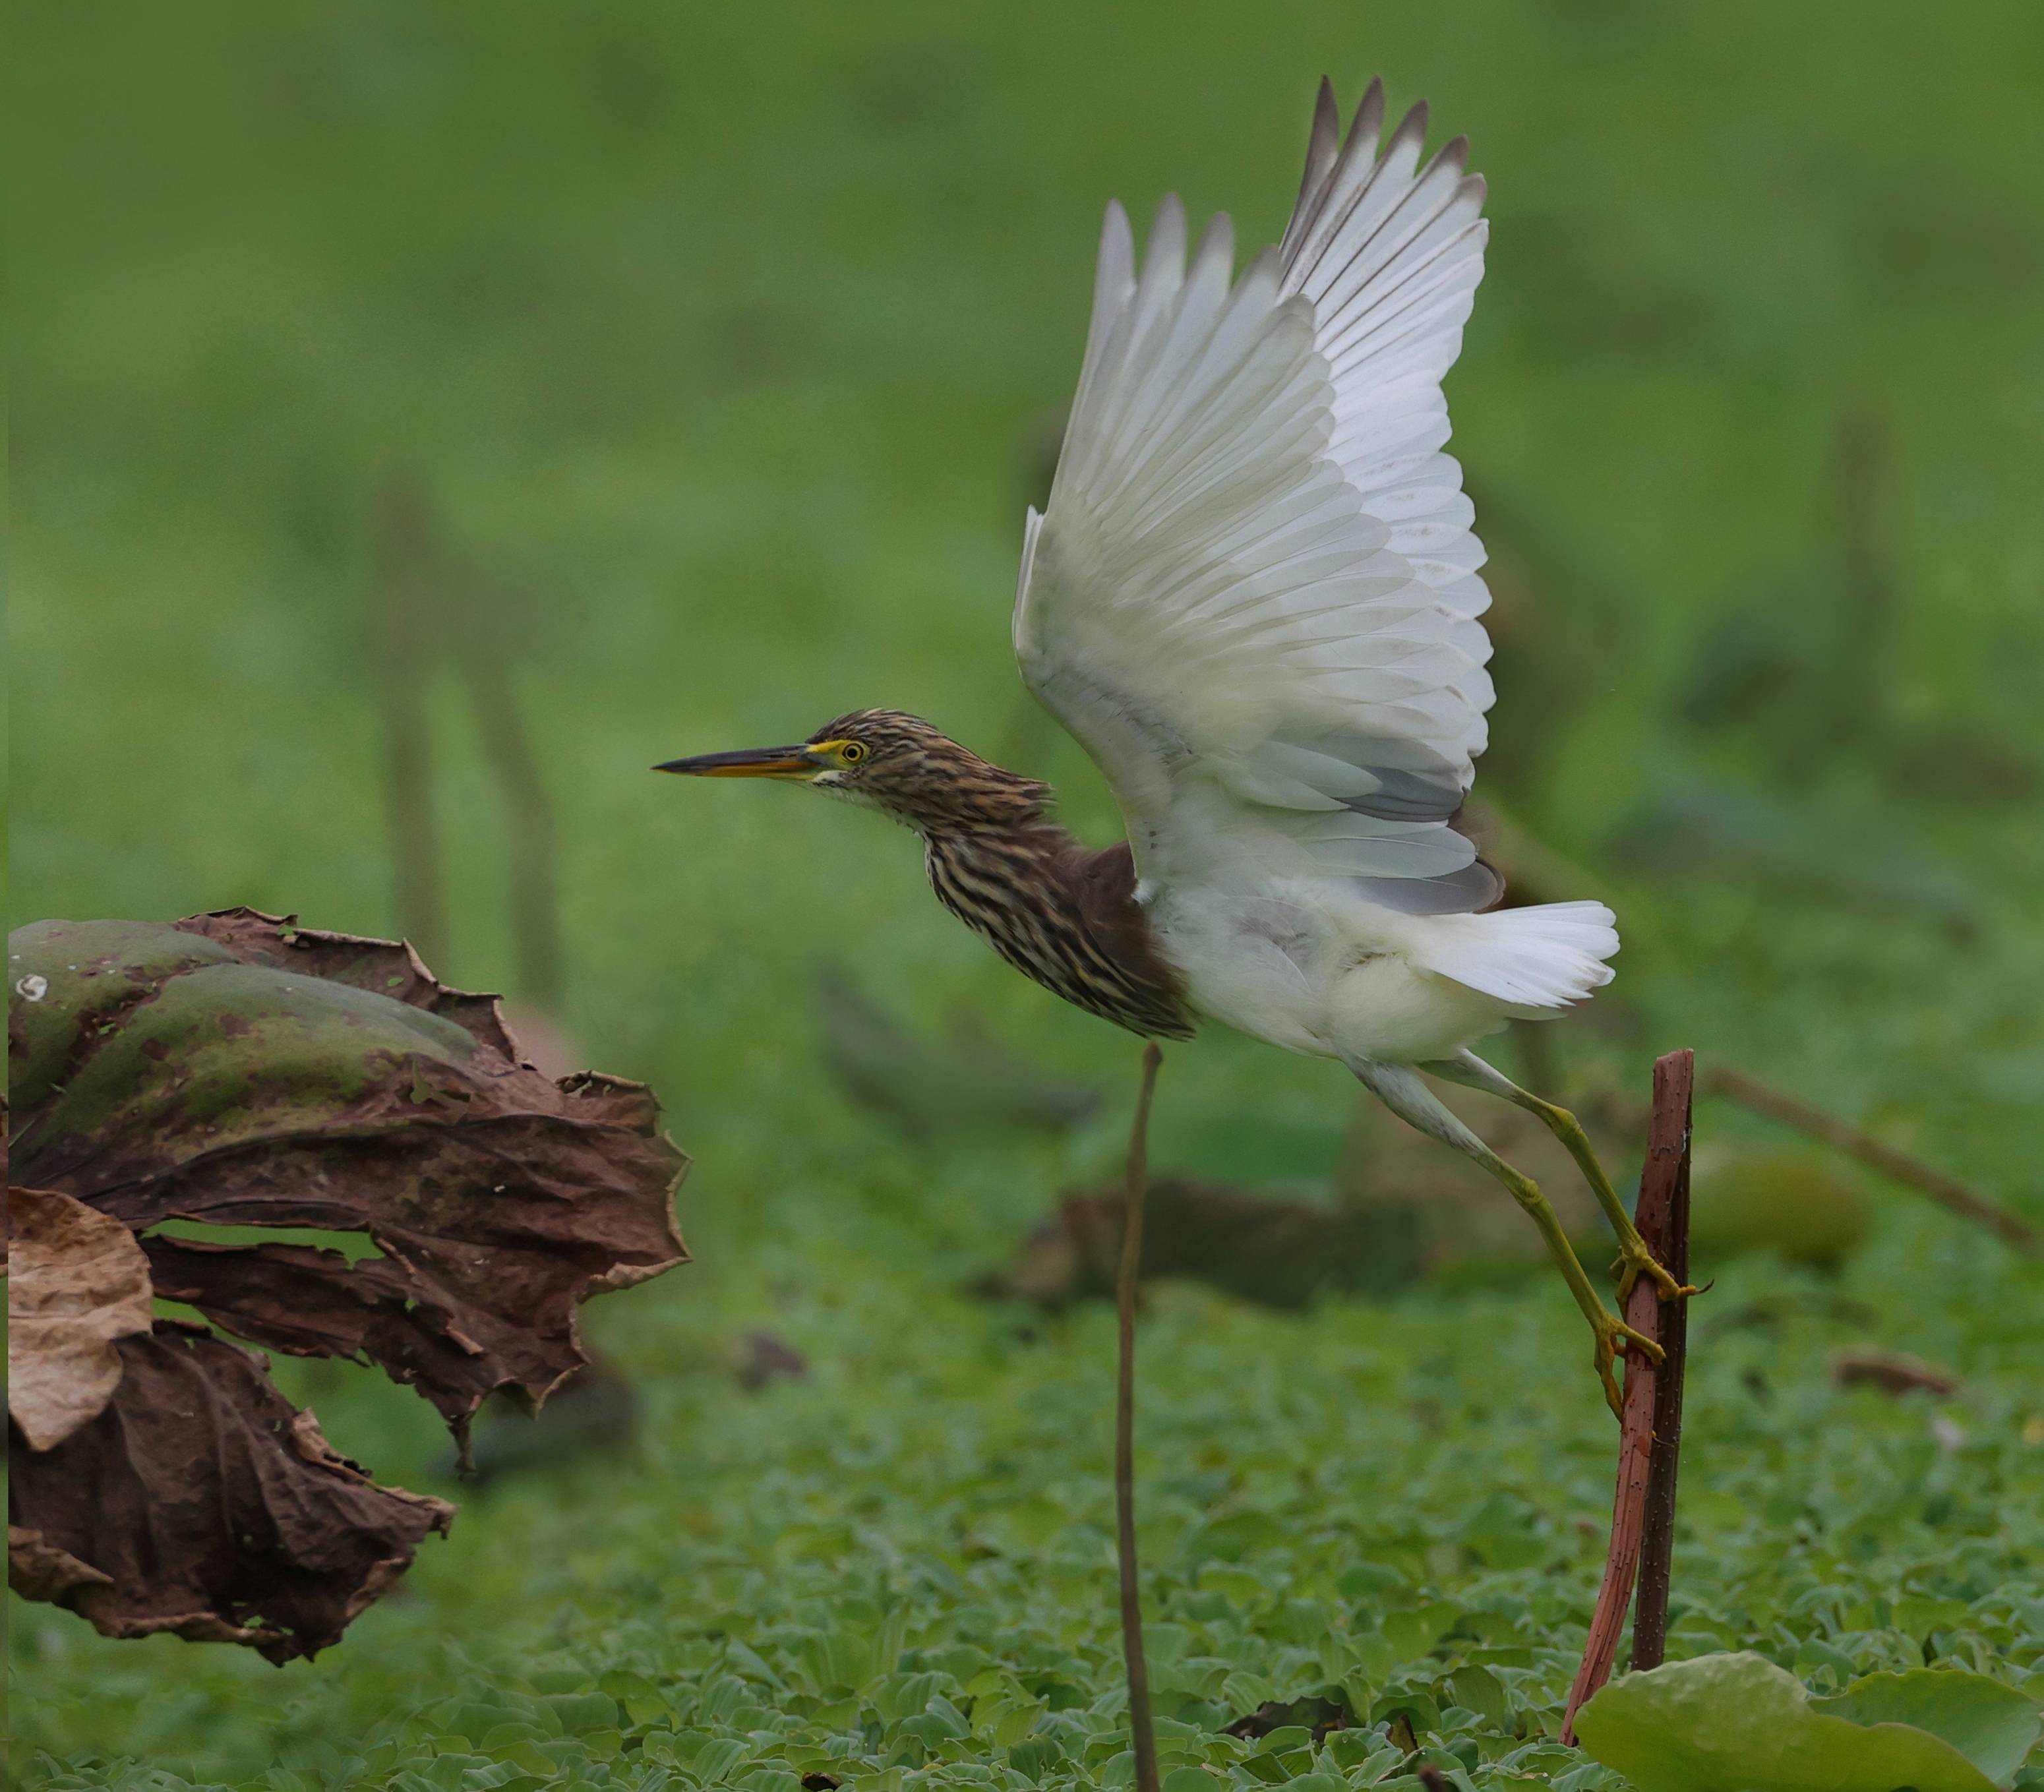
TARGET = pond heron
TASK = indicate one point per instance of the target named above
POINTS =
(1254, 598)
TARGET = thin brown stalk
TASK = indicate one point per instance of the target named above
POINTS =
(402, 625)
(1142, 1731)
(1898, 1166)
(529, 833)
(1667, 1164)
(1665, 1228)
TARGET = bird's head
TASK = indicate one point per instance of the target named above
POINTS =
(890, 761)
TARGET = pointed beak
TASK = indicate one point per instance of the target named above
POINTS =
(758, 762)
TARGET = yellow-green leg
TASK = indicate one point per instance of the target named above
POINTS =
(1401, 1090)
(1635, 1260)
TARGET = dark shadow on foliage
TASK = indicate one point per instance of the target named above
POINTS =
(1277, 1253)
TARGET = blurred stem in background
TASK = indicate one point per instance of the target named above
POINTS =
(1858, 525)
(531, 847)
(430, 606)
(403, 602)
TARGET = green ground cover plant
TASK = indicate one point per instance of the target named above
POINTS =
(1737, 1720)
(900, 1569)
(723, 339)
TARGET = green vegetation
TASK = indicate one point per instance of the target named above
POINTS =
(1726, 1719)
(721, 336)
(907, 1559)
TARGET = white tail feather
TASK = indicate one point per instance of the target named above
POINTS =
(1541, 958)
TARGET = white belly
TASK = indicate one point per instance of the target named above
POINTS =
(1315, 973)
(1261, 966)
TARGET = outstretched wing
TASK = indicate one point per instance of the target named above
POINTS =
(1254, 595)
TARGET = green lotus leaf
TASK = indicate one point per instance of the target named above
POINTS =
(1993, 1724)
(1737, 1723)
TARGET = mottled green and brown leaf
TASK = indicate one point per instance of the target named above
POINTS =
(234, 1069)
(237, 1071)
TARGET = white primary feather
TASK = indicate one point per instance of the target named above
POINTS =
(1256, 580)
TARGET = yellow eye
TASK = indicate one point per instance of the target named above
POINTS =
(851, 752)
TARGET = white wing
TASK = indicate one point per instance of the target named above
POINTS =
(1253, 598)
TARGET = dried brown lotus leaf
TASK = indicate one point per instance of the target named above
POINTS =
(201, 1502)
(237, 1069)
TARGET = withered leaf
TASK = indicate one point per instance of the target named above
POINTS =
(310, 1302)
(200, 1502)
(37, 1571)
(1277, 1253)
(76, 1282)
(1892, 1372)
(237, 1070)
(762, 1356)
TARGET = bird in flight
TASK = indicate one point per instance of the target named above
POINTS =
(1254, 598)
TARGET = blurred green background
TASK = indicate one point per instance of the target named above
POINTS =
(719, 344)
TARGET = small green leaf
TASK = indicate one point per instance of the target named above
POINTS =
(1414, 1632)
(580, 1713)
(1478, 1690)
(1737, 1723)
(835, 1662)
(717, 1758)
(887, 1642)
(1418, 1708)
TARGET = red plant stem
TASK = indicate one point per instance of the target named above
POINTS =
(1142, 1730)
(1666, 1231)
(1667, 1161)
